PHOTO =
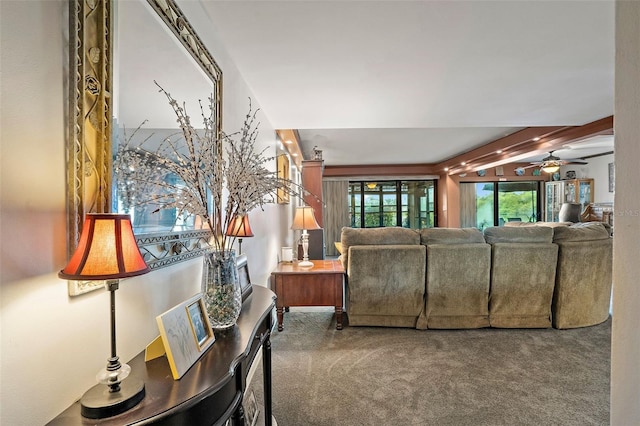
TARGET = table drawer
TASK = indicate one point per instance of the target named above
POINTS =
(308, 290)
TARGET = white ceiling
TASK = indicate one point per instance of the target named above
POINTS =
(381, 82)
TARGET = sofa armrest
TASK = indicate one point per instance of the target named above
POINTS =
(582, 294)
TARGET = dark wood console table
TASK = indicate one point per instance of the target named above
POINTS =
(211, 392)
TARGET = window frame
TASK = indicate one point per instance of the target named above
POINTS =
(358, 206)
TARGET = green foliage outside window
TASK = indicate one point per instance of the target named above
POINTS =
(513, 204)
(520, 205)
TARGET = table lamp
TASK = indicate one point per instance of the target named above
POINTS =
(108, 251)
(305, 220)
(239, 227)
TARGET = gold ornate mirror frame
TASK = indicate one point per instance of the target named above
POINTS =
(89, 144)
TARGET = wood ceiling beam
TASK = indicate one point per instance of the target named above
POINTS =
(513, 150)
(498, 150)
(509, 149)
(379, 170)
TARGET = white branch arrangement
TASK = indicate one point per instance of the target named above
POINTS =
(211, 185)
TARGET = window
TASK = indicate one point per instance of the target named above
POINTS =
(484, 204)
(410, 204)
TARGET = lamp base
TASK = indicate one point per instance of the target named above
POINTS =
(98, 402)
(305, 264)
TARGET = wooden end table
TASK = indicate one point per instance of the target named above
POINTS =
(320, 285)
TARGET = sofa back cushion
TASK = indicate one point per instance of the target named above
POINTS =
(588, 231)
(375, 236)
(386, 280)
(451, 236)
(549, 224)
(525, 234)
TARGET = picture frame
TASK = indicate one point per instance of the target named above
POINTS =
(284, 174)
(612, 177)
(243, 276)
(185, 333)
(197, 314)
(251, 409)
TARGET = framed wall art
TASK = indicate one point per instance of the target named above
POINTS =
(285, 174)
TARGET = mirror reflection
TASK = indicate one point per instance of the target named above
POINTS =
(147, 52)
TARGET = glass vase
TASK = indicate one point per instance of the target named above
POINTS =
(221, 288)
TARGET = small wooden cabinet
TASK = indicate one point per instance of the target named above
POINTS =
(566, 191)
(321, 285)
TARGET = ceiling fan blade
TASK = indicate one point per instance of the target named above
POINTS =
(573, 161)
(556, 160)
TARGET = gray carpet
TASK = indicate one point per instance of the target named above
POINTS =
(390, 376)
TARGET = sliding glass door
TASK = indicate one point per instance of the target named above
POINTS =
(486, 204)
(410, 204)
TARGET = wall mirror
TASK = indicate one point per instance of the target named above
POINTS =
(117, 50)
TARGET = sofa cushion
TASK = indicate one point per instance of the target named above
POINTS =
(549, 224)
(375, 236)
(378, 236)
(387, 281)
(522, 281)
(457, 286)
(588, 231)
(525, 234)
(451, 236)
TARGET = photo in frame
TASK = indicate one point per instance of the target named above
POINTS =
(185, 334)
(198, 322)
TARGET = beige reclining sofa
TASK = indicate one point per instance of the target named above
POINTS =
(507, 277)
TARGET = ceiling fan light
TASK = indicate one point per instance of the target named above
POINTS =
(550, 168)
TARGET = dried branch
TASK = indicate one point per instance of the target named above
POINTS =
(219, 176)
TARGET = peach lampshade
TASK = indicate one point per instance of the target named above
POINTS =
(304, 219)
(239, 227)
(107, 250)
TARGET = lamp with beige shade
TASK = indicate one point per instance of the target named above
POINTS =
(305, 220)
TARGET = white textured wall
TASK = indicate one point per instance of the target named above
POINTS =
(52, 345)
(271, 227)
(598, 170)
(625, 350)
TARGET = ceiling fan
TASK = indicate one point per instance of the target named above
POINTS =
(551, 163)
